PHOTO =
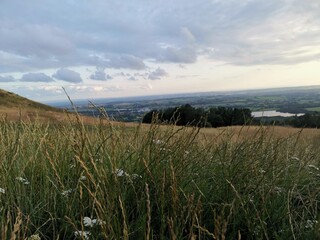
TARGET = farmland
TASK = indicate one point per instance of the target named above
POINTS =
(291, 100)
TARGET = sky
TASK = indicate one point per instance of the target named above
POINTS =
(111, 48)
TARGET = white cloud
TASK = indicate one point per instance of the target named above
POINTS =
(67, 76)
(51, 88)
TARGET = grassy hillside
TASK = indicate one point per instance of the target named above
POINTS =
(12, 100)
(14, 107)
(107, 181)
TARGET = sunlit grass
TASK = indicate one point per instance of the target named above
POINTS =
(106, 181)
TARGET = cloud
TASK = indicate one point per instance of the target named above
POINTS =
(126, 61)
(146, 87)
(179, 55)
(132, 78)
(34, 40)
(187, 34)
(51, 88)
(100, 75)
(157, 74)
(68, 76)
(7, 78)
(128, 35)
(36, 77)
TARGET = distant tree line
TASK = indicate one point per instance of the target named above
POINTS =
(188, 115)
(309, 120)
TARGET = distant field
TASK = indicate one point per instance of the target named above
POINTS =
(291, 100)
(316, 109)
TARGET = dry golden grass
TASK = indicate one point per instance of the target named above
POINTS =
(237, 132)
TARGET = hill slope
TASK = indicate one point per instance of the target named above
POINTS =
(12, 100)
(14, 107)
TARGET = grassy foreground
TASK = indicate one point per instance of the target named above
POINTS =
(71, 181)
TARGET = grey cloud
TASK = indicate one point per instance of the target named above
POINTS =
(100, 74)
(179, 55)
(127, 34)
(187, 34)
(30, 40)
(67, 76)
(36, 77)
(7, 78)
(157, 74)
(126, 61)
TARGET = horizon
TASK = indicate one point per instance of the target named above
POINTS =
(179, 95)
(111, 49)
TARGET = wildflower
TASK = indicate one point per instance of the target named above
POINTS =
(23, 180)
(135, 176)
(119, 172)
(277, 190)
(72, 166)
(157, 141)
(98, 222)
(83, 178)
(262, 171)
(66, 193)
(310, 224)
(88, 222)
(34, 237)
(82, 234)
(2, 190)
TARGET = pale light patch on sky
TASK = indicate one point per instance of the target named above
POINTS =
(97, 49)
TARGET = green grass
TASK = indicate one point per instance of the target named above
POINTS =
(155, 183)
(316, 109)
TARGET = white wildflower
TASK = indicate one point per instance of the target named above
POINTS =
(157, 141)
(83, 178)
(262, 171)
(34, 237)
(98, 222)
(135, 176)
(119, 172)
(278, 190)
(310, 224)
(2, 190)
(88, 222)
(72, 166)
(67, 192)
(186, 152)
(82, 234)
(23, 180)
